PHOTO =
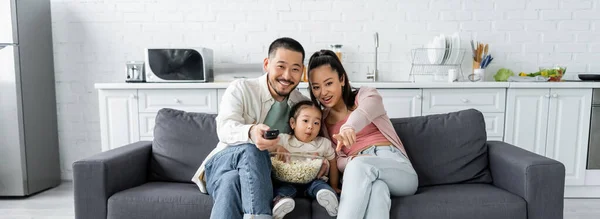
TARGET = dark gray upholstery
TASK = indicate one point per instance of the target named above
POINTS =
(460, 201)
(160, 200)
(455, 165)
(446, 148)
(539, 180)
(181, 141)
(97, 178)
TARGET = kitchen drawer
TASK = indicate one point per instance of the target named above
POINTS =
(451, 100)
(190, 100)
(494, 124)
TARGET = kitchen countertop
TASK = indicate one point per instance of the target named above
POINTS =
(382, 85)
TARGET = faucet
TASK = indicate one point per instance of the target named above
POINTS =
(373, 76)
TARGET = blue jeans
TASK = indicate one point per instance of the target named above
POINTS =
(309, 189)
(238, 178)
(370, 181)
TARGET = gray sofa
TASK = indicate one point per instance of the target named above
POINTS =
(461, 175)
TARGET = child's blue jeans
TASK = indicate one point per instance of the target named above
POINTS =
(291, 190)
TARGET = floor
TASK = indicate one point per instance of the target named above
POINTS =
(57, 203)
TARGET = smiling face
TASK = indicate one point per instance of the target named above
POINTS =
(326, 86)
(307, 124)
(284, 69)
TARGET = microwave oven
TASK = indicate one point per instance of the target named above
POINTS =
(179, 65)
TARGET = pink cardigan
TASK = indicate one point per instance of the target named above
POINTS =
(370, 109)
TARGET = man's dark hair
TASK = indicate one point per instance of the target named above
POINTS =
(286, 43)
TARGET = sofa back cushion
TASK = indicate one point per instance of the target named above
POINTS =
(446, 148)
(181, 142)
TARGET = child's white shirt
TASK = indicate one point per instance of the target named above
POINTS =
(320, 145)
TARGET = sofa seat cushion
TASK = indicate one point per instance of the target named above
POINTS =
(160, 200)
(174, 200)
(461, 201)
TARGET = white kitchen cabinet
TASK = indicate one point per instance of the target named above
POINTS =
(305, 92)
(220, 93)
(400, 103)
(527, 119)
(568, 131)
(489, 100)
(553, 123)
(128, 116)
(118, 118)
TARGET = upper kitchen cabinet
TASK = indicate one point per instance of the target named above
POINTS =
(6, 22)
(400, 103)
(554, 123)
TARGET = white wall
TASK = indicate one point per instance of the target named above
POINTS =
(94, 38)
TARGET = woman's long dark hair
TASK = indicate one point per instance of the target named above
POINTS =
(328, 57)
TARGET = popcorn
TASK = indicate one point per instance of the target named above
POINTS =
(296, 171)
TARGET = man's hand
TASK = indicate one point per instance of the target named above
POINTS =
(346, 137)
(256, 134)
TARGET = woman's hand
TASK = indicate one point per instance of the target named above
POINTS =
(346, 137)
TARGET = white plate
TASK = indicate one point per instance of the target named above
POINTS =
(456, 49)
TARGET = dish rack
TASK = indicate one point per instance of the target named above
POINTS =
(436, 62)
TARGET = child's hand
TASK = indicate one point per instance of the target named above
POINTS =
(338, 191)
(324, 168)
(283, 154)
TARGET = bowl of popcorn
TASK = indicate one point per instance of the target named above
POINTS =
(298, 168)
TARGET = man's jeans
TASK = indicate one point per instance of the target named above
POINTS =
(310, 189)
(238, 178)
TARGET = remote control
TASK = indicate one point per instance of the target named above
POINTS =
(271, 134)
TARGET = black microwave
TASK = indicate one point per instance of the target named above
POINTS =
(179, 65)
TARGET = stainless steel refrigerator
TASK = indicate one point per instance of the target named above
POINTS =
(29, 159)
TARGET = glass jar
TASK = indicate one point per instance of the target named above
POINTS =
(337, 48)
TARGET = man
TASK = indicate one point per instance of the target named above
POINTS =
(238, 171)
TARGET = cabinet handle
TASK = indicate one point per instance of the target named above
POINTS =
(418, 97)
(555, 95)
(133, 96)
(177, 100)
(547, 95)
(465, 100)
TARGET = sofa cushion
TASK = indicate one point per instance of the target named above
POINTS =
(181, 142)
(160, 200)
(461, 201)
(446, 148)
(174, 200)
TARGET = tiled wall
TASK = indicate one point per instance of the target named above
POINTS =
(94, 38)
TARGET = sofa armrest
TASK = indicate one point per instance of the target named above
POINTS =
(537, 179)
(100, 176)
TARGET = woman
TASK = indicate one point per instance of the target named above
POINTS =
(370, 153)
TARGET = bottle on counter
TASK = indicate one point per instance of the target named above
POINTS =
(337, 48)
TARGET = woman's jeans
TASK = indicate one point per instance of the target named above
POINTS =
(370, 180)
(238, 178)
(310, 189)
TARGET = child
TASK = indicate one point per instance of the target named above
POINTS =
(305, 123)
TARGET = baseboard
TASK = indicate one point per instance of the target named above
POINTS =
(582, 192)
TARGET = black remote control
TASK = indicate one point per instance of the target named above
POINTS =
(271, 134)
